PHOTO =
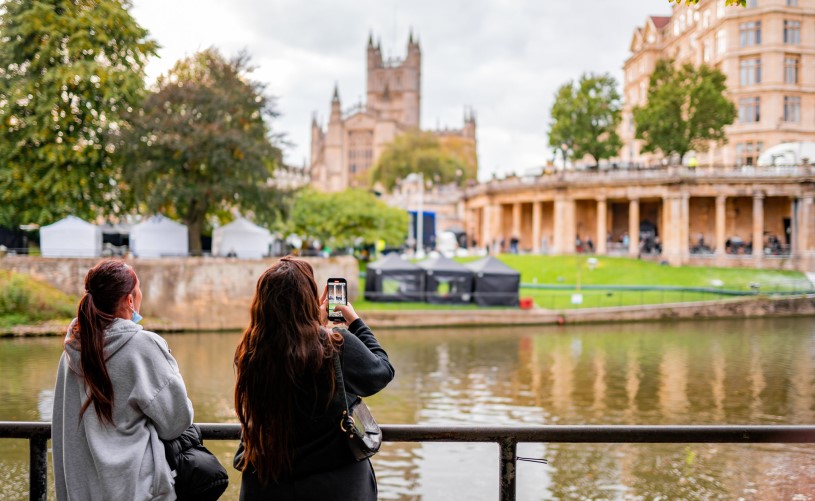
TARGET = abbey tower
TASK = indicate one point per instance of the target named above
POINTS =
(344, 151)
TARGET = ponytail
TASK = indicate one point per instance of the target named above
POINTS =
(105, 286)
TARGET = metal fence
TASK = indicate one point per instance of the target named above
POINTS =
(507, 438)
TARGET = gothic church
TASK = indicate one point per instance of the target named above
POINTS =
(343, 153)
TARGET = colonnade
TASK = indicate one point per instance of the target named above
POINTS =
(739, 224)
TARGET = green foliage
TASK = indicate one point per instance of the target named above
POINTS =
(69, 69)
(418, 151)
(201, 145)
(347, 218)
(686, 109)
(585, 117)
(24, 300)
(14, 297)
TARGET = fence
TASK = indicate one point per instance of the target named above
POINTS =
(507, 438)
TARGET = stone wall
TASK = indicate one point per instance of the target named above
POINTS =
(185, 293)
(731, 308)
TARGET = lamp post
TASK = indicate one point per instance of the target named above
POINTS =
(420, 219)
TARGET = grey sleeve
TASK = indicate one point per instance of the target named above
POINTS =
(162, 395)
(170, 410)
(366, 368)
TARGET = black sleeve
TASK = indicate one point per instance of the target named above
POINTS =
(365, 365)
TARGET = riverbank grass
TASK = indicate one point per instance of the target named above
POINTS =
(26, 301)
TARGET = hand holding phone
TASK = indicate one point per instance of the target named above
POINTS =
(337, 296)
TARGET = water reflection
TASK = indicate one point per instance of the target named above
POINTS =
(758, 371)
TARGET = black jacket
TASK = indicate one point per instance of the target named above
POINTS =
(322, 462)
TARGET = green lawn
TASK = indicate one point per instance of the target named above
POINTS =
(565, 270)
(618, 271)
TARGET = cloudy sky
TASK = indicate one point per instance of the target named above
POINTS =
(503, 58)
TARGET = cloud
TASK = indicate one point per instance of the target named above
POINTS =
(505, 59)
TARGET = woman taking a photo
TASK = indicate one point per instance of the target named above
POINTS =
(286, 396)
(118, 394)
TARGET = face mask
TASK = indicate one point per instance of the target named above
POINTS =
(136, 317)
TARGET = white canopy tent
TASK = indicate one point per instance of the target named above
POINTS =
(71, 237)
(159, 236)
(795, 153)
(241, 238)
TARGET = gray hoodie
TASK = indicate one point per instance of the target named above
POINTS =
(125, 460)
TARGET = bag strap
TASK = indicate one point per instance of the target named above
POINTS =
(345, 425)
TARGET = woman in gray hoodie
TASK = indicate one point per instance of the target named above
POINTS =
(118, 394)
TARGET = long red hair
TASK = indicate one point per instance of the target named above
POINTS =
(105, 286)
(283, 343)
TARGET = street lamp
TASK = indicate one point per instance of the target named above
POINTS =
(420, 219)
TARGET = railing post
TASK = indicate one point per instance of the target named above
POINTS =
(38, 468)
(508, 451)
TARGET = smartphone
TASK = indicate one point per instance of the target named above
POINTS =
(337, 295)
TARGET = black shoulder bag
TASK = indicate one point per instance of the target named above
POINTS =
(198, 474)
(357, 422)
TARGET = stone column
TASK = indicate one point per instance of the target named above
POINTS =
(795, 227)
(634, 227)
(602, 225)
(486, 227)
(684, 228)
(806, 224)
(516, 221)
(758, 226)
(721, 200)
(537, 216)
(564, 226)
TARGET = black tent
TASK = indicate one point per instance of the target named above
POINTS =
(394, 279)
(495, 284)
(446, 281)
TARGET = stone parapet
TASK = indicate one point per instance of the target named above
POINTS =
(194, 293)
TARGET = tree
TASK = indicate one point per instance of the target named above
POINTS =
(69, 69)
(201, 144)
(418, 151)
(585, 117)
(686, 109)
(347, 218)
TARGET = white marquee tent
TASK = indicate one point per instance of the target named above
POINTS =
(71, 237)
(241, 238)
(159, 236)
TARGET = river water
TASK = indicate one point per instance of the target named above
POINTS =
(706, 372)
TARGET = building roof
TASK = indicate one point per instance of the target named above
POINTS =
(660, 21)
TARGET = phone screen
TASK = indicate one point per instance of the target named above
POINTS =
(336, 296)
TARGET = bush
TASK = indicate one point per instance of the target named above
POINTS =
(24, 300)
(15, 296)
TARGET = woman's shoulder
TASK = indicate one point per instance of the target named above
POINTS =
(149, 343)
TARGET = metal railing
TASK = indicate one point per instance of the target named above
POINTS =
(507, 438)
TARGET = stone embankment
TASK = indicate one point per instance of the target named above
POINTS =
(729, 308)
(195, 294)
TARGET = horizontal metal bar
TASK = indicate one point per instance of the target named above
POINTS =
(789, 434)
(602, 434)
(25, 429)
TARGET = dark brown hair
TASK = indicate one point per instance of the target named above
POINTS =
(105, 286)
(283, 343)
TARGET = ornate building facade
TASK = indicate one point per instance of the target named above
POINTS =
(726, 211)
(766, 51)
(344, 151)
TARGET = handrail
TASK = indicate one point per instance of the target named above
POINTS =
(507, 438)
